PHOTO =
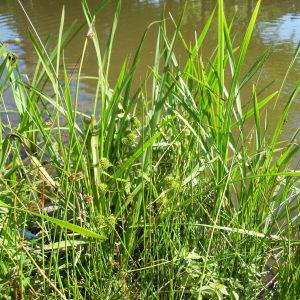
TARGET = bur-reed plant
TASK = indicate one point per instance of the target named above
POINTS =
(160, 190)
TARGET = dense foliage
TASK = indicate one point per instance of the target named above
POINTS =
(164, 189)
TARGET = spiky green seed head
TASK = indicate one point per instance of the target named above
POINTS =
(127, 187)
(131, 137)
(106, 220)
(125, 141)
(162, 200)
(171, 182)
(169, 179)
(104, 163)
(136, 122)
(102, 187)
(111, 220)
(129, 198)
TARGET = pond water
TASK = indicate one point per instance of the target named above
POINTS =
(278, 27)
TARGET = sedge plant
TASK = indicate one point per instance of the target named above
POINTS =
(158, 191)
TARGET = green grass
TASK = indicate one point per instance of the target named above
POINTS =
(160, 191)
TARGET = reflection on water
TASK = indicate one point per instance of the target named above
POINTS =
(156, 3)
(284, 30)
(9, 32)
(278, 25)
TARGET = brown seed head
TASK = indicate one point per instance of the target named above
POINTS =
(75, 176)
(88, 198)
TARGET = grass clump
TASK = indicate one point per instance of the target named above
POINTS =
(154, 193)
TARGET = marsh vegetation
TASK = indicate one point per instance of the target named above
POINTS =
(172, 187)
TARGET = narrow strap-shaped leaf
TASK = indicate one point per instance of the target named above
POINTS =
(136, 154)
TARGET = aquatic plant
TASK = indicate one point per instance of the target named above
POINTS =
(159, 191)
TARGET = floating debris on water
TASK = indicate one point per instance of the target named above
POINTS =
(27, 234)
(14, 41)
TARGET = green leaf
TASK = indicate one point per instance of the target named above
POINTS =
(62, 245)
(61, 223)
(70, 226)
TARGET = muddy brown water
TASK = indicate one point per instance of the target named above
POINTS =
(278, 27)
